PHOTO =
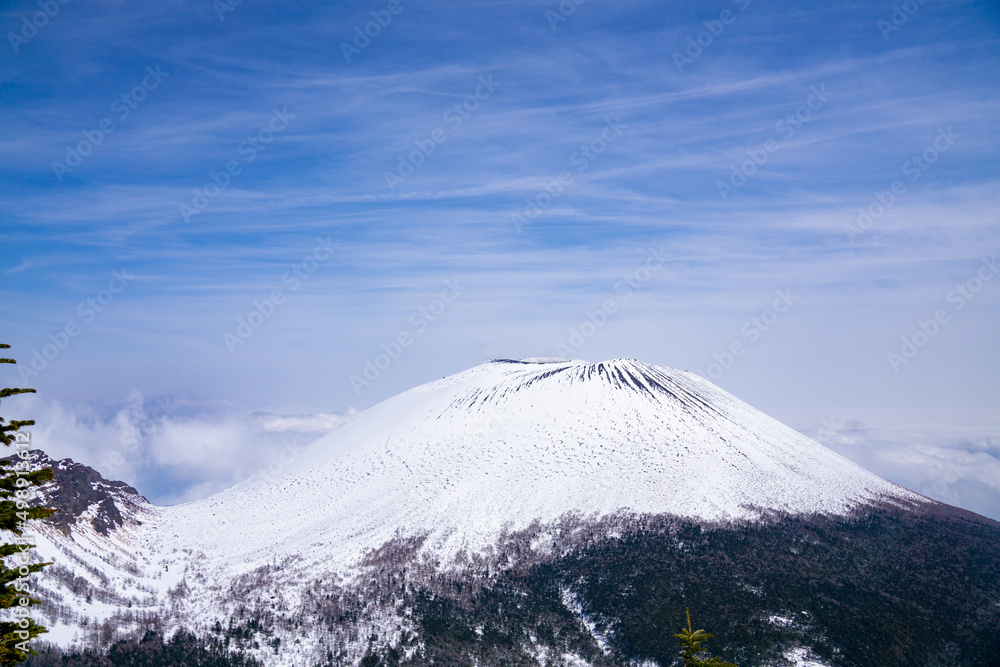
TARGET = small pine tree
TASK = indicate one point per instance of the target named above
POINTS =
(14, 512)
(691, 647)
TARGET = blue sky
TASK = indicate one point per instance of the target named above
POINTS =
(641, 180)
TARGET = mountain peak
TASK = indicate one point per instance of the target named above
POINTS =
(508, 443)
(622, 373)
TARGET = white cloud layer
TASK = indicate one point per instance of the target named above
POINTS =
(958, 466)
(174, 450)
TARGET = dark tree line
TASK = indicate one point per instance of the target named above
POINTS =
(16, 509)
(183, 649)
(883, 587)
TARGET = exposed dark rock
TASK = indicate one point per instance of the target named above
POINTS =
(75, 488)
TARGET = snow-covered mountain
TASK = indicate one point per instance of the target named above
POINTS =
(503, 466)
(507, 443)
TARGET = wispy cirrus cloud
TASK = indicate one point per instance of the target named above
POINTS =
(655, 185)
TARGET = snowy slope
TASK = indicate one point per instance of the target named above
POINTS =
(462, 461)
(506, 443)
